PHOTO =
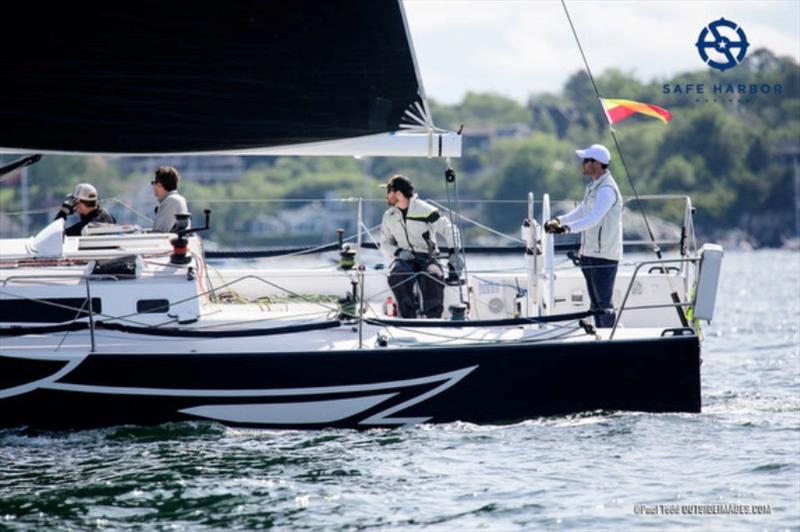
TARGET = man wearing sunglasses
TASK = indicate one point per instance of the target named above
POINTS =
(408, 239)
(84, 202)
(599, 220)
(170, 203)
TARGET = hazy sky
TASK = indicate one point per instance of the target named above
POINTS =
(516, 47)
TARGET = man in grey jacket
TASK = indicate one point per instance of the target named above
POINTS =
(408, 238)
(599, 220)
(170, 203)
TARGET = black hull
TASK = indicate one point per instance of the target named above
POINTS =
(359, 389)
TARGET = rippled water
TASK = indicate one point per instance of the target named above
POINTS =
(615, 471)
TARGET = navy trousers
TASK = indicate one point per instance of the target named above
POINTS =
(429, 275)
(600, 275)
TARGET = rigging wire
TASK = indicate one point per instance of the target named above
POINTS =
(130, 208)
(480, 225)
(656, 248)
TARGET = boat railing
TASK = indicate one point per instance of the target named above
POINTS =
(677, 304)
(686, 242)
(363, 234)
(85, 278)
(88, 309)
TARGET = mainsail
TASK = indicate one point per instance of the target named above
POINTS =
(306, 77)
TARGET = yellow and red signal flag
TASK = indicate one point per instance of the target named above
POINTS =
(619, 110)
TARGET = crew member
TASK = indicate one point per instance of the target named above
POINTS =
(408, 237)
(599, 220)
(83, 201)
(170, 203)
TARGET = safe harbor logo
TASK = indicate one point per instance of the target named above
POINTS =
(726, 37)
(722, 45)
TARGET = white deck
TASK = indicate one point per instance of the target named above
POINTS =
(229, 317)
(294, 296)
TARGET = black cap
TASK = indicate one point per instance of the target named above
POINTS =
(401, 184)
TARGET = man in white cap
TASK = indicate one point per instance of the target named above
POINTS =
(599, 220)
(83, 201)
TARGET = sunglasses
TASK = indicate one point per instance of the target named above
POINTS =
(585, 161)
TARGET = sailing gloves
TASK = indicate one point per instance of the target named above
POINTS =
(68, 207)
(553, 226)
(456, 261)
(404, 254)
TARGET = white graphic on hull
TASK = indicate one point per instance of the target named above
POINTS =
(41, 383)
(302, 413)
(306, 412)
(332, 410)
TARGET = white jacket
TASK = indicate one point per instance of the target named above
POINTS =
(172, 204)
(599, 219)
(417, 232)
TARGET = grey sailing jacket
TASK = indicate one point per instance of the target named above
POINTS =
(418, 231)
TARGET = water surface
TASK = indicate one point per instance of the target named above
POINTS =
(614, 471)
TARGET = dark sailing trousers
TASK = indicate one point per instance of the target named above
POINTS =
(600, 275)
(429, 275)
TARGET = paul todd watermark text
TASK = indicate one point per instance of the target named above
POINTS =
(702, 509)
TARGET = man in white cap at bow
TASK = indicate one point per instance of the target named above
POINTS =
(599, 220)
(84, 202)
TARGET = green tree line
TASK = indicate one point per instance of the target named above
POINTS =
(731, 152)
